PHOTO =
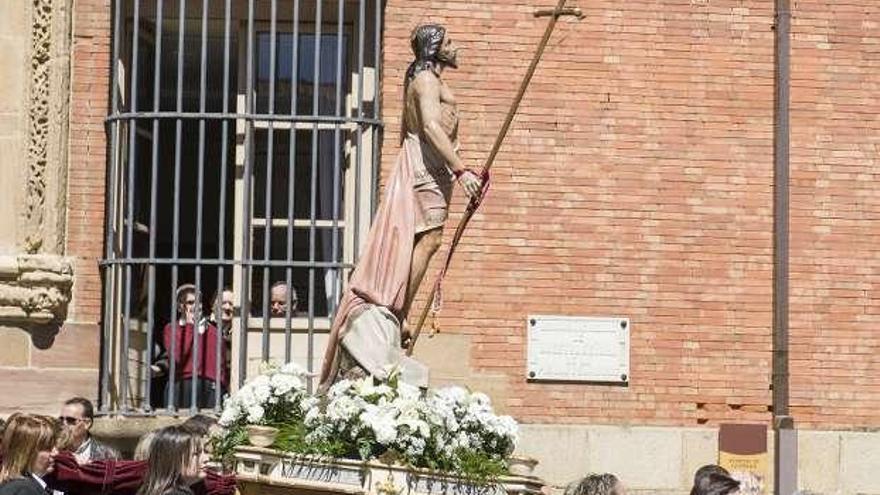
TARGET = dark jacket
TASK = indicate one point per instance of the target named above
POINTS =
(23, 486)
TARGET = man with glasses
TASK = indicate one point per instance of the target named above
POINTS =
(76, 418)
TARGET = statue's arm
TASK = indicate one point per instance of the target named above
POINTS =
(427, 91)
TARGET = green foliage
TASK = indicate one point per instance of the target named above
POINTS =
(223, 446)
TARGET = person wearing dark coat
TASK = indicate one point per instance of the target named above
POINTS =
(28, 446)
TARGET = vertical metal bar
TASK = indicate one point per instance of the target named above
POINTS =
(340, 14)
(175, 242)
(221, 227)
(377, 95)
(110, 270)
(129, 232)
(270, 149)
(291, 175)
(246, 218)
(360, 130)
(154, 168)
(203, 75)
(785, 439)
(314, 186)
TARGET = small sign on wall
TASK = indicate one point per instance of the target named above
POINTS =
(743, 448)
(570, 348)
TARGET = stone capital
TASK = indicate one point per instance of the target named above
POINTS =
(35, 291)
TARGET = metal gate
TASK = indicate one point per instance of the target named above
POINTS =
(244, 146)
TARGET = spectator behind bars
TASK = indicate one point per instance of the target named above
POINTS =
(77, 417)
(192, 344)
(28, 446)
(596, 484)
(282, 296)
(224, 302)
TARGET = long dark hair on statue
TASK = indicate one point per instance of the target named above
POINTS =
(425, 42)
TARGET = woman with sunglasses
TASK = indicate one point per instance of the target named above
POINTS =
(27, 449)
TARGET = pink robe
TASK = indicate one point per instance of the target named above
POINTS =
(382, 273)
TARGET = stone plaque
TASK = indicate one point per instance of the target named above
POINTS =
(567, 348)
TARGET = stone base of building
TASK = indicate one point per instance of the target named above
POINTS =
(663, 459)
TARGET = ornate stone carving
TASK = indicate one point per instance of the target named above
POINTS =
(34, 291)
(42, 216)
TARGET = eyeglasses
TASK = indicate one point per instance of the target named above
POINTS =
(69, 420)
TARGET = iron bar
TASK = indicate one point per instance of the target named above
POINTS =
(221, 222)
(340, 16)
(203, 75)
(175, 243)
(270, 165)
(246, 206)
(249, 116)
(109, 274)
(316, 76)
(154, 172)
(291, 176)
(360, 132)
(224, 262)
(129, 199)
(377, 130)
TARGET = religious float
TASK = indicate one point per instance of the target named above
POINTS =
(367, 436)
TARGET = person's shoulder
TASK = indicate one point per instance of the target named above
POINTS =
(101, 451)
(21, 486)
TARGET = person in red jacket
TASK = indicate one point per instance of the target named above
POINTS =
(192, 346)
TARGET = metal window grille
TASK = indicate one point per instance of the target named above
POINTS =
(244, 153)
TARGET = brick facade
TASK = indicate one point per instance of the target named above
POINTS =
(835, 206)
(90, 90)
(636, 181)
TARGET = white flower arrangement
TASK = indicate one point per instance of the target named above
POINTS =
(434, 430)
(274, 396)
(448, 429)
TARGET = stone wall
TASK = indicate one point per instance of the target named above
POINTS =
(664, 459)
(44, 356)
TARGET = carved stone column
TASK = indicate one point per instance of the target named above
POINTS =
(35, 276)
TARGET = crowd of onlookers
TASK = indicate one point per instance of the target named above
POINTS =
(42, 455)
(710, 479)
(195, 348)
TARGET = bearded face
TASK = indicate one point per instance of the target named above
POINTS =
(448, 53)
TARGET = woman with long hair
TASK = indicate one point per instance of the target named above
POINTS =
(177, 461)
(27, 449)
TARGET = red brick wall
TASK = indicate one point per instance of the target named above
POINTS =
(90, 80)
(637, 181)
(835, 304)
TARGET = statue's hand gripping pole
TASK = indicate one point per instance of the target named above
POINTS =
(474, 203)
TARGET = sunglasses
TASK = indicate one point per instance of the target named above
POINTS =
(69, 420)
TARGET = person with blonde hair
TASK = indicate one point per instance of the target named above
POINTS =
(27, 449)
(596, 484)
(176, 461)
